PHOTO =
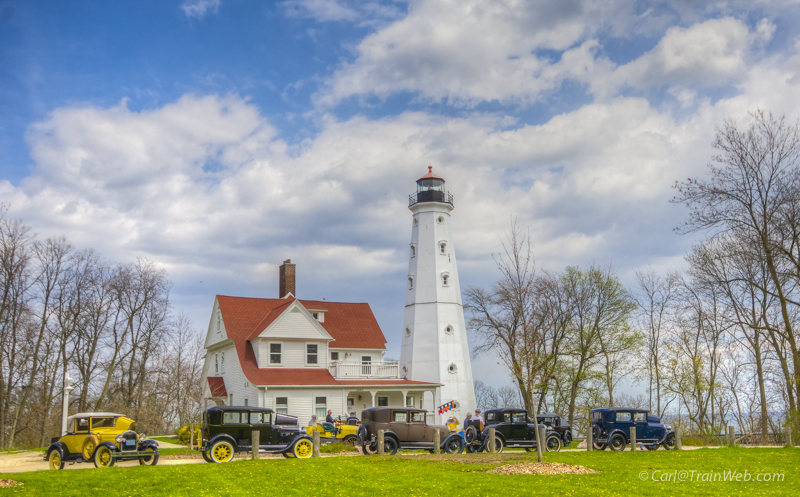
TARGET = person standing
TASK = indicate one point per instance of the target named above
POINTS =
(467, 420)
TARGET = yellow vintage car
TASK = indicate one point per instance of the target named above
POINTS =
(103, 438)
(341, 433)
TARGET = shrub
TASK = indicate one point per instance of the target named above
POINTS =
(183, 434)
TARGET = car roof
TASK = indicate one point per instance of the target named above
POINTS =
(239, 408)
(616, 409)
(548, 415)
(95, 415)
(508, 409)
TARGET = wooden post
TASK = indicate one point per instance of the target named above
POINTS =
(315, 442)
(541, 441)
(678, 440)
(255, 441)
(191, 436)
(788, 440)
(491, 441)
(380, 442)
(436, 441)
(731, 436)
(633, 438)
(589, 441)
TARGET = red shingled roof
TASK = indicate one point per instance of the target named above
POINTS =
(430, 175)
(217, 386)
(350, 325)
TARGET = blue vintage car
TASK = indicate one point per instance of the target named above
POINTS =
(612, 428)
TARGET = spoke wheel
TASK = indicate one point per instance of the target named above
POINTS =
(222, 451)
(553, 443)
(454, 446)
(669, 442)
(470, 434)
(303, 448)
(498, 445)
(55, 461)
(150, 460)
(370, 448)
(390, 446)
(567, 438)
(350, 440)
(87, 451)
(102, 457)
(617, 442)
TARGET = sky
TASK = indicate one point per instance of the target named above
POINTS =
(221, 137)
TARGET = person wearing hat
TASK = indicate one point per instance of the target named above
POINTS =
(352, 419)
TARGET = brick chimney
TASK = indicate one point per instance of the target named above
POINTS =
(286, 279)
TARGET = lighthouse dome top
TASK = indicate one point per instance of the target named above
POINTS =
(430, 188)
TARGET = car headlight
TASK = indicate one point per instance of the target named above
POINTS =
(119, 439)
(668, 427)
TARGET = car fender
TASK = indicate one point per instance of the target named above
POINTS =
(617, 430)
(301, 436)
(227, 438)
(450, 436)
(148, 443)
(61, 447)
(110, 445)
(391, 434)
(666, 434)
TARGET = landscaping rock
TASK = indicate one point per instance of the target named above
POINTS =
(541, 468)
(9, 483)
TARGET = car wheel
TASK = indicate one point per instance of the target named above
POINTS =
(390, 446)
(553, 443)
(651, 447)
(207, 456)
(150, 460)
(222, 451)
(599, 446)
(670, 443)
(303, 448)
(350, 440)
(87, 449)
(102, 457)
(54, 460)
(370, 448)
(498, 445)
(470, 434)
(567, 438)
(454, 446)
(289, 455)
(617, 442)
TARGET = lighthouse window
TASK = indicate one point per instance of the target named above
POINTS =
(449, 329)
(440, 219)
(452, 368)
(442, 247)
(410, 283)
(445, 279)
(416, 222)
(413, 251)
(408, 332)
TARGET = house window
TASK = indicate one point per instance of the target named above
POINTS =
(334, 356)
(311, 353)
(350, 404)
(274, 353)
(383, 401)
(230, 399)
(410, 401)
(282, 405)
(321, 407)
(245, 401)
(216, 363)
(440, 219)
(452, 368)
(222, 362)
(416, 222)
(316, 315)
(219, 321)
(408, 332)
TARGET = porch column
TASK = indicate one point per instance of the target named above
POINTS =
(373, 392)
(405, 397)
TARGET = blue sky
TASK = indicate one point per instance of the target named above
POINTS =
(220, 137)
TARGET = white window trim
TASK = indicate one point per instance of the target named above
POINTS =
(410, 281)
(219, 321)
(271, 364)
(288, 402)
(413, 250)
(445, 278)
(319, 354)
(216, 363)
(452, 329)
(439, 245)
(222, 362)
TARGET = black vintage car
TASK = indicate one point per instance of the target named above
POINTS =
(404, 428)
(228, 430)
(612, 428)
(557, 423)
(512, 428)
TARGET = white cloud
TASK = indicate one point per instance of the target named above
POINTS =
(362, 12)
(197, 9)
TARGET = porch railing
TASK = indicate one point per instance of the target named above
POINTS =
(356, 370)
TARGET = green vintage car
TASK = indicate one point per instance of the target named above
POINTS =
(229, 429)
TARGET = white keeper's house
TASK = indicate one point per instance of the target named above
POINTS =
(302, 357)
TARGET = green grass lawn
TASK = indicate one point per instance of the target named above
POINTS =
(431, 475)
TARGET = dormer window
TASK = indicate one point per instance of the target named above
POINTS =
(319, 316)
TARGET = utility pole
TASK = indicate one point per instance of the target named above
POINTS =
(65, 408)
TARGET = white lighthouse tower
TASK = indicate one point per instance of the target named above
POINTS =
(435, 345)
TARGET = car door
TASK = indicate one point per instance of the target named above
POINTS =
(234, 424)
(399, 424)
(262, 423)
(519, 425)
(624, 422)
(416, 428)
(76, 435)
(640, 420)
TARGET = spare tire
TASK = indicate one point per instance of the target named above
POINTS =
(90, 444)
(471, 434)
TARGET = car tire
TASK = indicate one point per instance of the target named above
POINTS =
(651, 447)
(567, 438)
(350, 440)
(303, 448)
(390, 446)
(454, 446)
(222, 451)
(150, 460)
(54, 460)
(370, 448)
(207, 456)
(289, 455)
(617, 442)
(470, 434)
(102, 457)
(553, 443)
(669, 442)
(88, 447)
(498, 445)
